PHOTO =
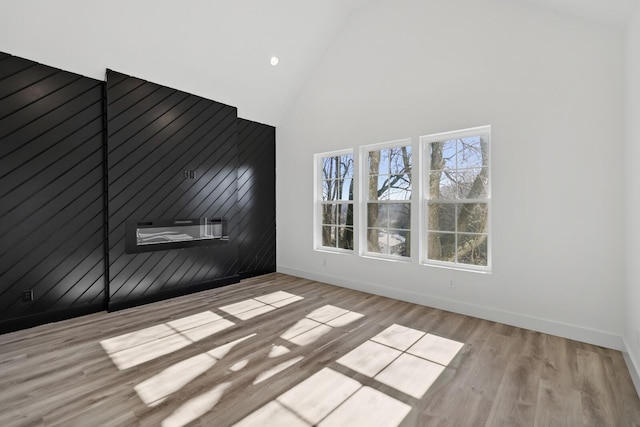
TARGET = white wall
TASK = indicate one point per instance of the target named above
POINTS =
(219, 49)
(632, 198)
(552, 89)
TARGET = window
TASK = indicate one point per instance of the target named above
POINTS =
(457, 198)
(388, 199)
(334, 215)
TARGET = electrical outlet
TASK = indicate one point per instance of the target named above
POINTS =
(452, 284)
(638, 338)
(27, 296)
(324, 262)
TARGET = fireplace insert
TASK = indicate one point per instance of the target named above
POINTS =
(161, 234)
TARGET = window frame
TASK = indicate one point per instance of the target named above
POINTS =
(318, 201)
(425, 163)
(363, 200)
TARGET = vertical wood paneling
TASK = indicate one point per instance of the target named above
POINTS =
(51, 225)
(154, 134)
(256, 197)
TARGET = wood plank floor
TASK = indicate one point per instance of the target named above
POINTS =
(279, 350)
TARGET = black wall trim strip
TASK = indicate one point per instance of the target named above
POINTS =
(172, 293)
(105, 193)
(30, 321)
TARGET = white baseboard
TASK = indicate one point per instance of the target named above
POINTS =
(630, 359)
(564, 330)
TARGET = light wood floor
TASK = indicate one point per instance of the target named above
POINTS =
(86, 372)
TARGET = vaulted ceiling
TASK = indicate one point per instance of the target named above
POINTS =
(608, 12)
(219, 49)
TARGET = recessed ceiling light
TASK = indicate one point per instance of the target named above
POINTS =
(274, 60)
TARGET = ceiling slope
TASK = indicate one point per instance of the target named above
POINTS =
(218, 49)
(608, 12)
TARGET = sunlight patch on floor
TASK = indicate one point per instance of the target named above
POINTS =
(223, 350)
(203, 331)
(437, 349)
(248, 309)
(144, 345)
(274, 414)
(156, 389)
(276, 370)
(318, 323)
(369, 358)
(278, 297)
(132, 339)
(314, 398)
(134, 348)
(195, 320)
(329, 398)
(398, 337)
(196, 407)
(146, 352)
(410, 374)
(368, 407)
(406, 359)
(277, 351)
(239, 365)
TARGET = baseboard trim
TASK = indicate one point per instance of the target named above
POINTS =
(564, 330)
(26, 322)
(254, 273)
(172, 293)
(33, 320)
(630, 359)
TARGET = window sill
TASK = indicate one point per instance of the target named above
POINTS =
(334, 251)
(458, 267)
(403, 260)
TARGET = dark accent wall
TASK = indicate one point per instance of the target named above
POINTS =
(80, 157)
(51, 189)
(155, 133)
(256, 197)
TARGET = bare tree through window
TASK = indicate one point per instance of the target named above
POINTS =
(389, 201)
(337, 201)
(458, 200)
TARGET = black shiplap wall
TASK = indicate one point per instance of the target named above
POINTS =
(154, 134)
(51, 193)
(257, 197)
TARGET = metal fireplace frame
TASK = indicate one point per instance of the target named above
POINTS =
(202, 232)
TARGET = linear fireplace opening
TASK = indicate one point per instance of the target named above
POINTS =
(161, 234)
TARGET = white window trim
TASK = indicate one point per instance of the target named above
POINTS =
(317, 202)
(424, 186)
(363, 191)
